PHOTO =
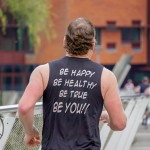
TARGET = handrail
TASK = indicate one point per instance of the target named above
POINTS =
(13, 108)
(134, 96)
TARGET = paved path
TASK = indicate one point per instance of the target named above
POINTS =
(142, 139)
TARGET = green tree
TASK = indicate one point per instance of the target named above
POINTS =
(34, 14)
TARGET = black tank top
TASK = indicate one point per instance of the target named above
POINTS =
(143, 87)
(72, 104)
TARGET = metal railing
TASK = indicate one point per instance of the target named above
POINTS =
(134, 108)
(11, 130)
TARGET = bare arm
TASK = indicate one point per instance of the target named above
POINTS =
(32, 94)
(112, 102)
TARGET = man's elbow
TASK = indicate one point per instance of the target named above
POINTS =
(23, 109)
(119, 125)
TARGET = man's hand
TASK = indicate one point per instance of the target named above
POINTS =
(105, 117)
(32, 139)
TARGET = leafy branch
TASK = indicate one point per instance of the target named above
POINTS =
(34, 14)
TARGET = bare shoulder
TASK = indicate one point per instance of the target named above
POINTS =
(107, 74)
(108, 80)
(44, 71)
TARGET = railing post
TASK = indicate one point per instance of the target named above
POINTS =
(1, 98)
(6, 127)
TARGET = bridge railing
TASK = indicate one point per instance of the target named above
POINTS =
(11, 130)
(122, 140)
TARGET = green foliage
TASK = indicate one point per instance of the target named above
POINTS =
(3, 19)
(35, 14)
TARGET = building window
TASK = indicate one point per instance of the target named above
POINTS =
(111, 25)
(8, 39)
(6, 83)
(15, 77)
(136, 46)
(98, 39)
(19, 83)
(135, 35)
(132, 36)
(15, 39)
(111, 47)
(7, 69)
(98, 35)
(18, 68)
(136, 22)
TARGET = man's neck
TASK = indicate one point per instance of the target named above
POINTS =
(88, 55)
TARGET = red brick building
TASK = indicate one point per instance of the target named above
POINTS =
(121, 27)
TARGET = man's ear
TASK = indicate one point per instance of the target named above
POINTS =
(93, 44)
(64, 41)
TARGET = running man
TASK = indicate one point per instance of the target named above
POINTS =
(74, 91)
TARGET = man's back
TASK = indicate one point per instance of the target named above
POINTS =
(74, 91)
(72, 105)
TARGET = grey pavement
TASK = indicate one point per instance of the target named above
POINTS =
(142, 138)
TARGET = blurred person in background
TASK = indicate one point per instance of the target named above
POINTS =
(144, 88)
(129, 87)
(141, 88)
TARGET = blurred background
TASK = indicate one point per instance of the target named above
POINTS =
(31, 33)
